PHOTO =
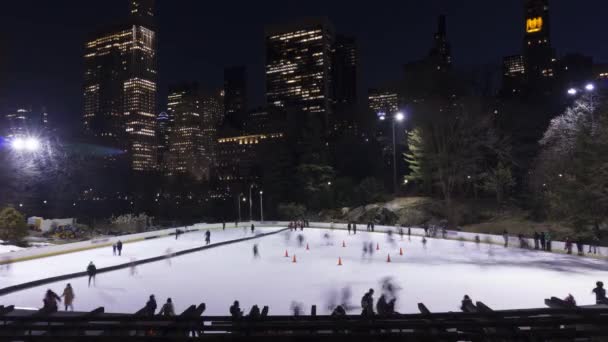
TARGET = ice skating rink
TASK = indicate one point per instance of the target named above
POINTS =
(437, 274)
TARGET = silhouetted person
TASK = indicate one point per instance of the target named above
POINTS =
(224, 225)
(207, 237)
(252, 228)
(235, 310)
(256, 252)
(382, 306)
(549, 240)
(68, 297)
(367, 303)
(338, 312)
(543, 241)
(600, 293)
(254, 313)
(580, 248)
(91, 271)
(466, 302)
(348, 227)
(355, 228)
(50, 301)
(570, 300)
(505, 236)
(113, 249)
(167, 309)
(119, 247)
(536, 240)
(150, 307)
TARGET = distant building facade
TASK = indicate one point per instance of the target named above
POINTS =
(120, 87)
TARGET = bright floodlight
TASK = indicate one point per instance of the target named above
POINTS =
(399, 116)
(18, 144)
(590, 87)
(32, 144)
(572, 91)
(381, 116)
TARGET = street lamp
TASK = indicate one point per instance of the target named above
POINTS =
(28, 144)
(590, 87)
(261, 206)
(399, 117)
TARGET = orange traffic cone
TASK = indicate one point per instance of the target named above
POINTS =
(400, 251)
(294, 259)
(388, 258)
(339, 261)
(286, 254)
(377, 246)
(307, 247)
(343, 244)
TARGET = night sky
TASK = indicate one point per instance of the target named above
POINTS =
(41, 42)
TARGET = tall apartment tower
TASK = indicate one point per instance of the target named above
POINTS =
(120, 87)
(538, 53)
(298, 66)
(235, 90)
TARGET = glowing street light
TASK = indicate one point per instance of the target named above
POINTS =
(590, 87)
(399, 116)
(29, 144)
(572, 92)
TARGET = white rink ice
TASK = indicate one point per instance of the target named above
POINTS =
(438, 275)
(26, 271)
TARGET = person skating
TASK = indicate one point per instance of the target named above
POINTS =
(167, 309)
(549, 240)
(114, 249)
(150, 307)
(424, 241)
(68, 297)
(91, 271)
(348, 227)
(580, 248)
(505, 236)
(50, 301)
(119, 247)
(256, 252)
(409, 232)
(593, 244)
(355, 228)
(568, 245)
(252, 228)
(543, 241)
(207, 237)
(600, 293)
(235, 310)
(536, 240)
(367, 303)
(401, 233)
(224, 225)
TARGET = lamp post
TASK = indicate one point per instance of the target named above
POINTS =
(250, 203)
(261, 206)
(239, 203)
(398, 117)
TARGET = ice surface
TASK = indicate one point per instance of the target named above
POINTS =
(26, 271)
(437, 275)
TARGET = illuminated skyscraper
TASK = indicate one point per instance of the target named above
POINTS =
(298, 66)
(383, 100)
(186, 151)
(18, 123)
(538, 53)
(120, 87)
(212, 111)
(514, 75)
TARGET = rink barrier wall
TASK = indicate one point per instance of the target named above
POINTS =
(35, 283)
(47, 251)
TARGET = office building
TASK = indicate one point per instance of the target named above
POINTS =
(120, 87)
(298, 67)
(235, 91)
(383, 100)
(538, 53)
(212, 114)
(344, 82)
(187, 155)
(513, 76)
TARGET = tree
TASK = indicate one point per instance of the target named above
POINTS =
(499, 181)
(572, 169)
(370, 190)
(12, 225)
(450, 145)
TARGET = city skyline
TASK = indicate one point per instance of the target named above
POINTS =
(65, 105)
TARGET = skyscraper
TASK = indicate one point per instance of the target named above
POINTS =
(120, 87)
(18, 123)
(235, 91)
(186, 150)
(212, 111)
(298, 66)
(163, 135)
(513, 76)
(441, 53)
(344, 81)
(538, 53)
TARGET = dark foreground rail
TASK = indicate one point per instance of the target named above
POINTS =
(582, 324)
